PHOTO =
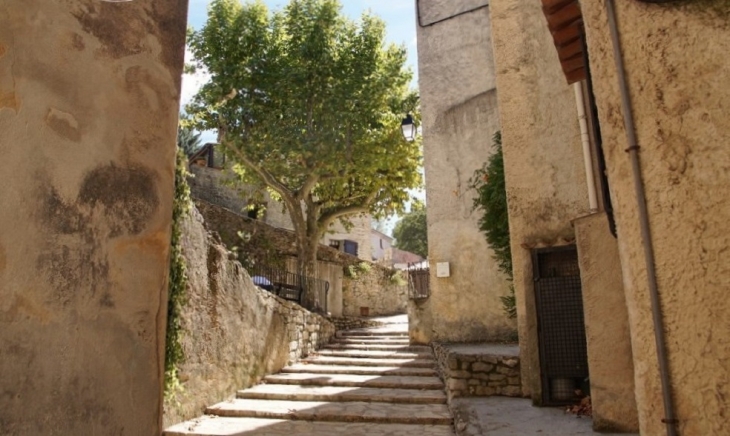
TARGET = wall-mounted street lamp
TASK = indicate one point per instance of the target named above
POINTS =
(409, 128)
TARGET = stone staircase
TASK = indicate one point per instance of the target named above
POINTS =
(367, 382)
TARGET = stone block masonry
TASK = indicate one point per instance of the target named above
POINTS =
(233, 333)
(479, 370)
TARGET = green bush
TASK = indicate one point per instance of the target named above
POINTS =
(178, 276)
(491, 200)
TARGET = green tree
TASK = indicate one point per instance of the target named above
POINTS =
(410, 232)
(309, 103)
(188, 140)
(491, 199)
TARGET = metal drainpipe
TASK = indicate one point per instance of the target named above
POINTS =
(586, 142)
(633, 150)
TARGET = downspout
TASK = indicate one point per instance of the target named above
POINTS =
(586, 141)
(633, 150)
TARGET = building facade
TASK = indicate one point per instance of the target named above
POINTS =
(459, 112)
(619, 169)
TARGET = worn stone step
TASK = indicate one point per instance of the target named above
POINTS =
(379, 346)
(359, 370)
(370, 381)
(369, 340)
(221, 426)
(382, 332)
(392, 354)
(342, 393)
(426, 362)
(386, 413)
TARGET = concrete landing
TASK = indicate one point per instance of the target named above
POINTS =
(502, 416)
(342, 393)
(217, 426)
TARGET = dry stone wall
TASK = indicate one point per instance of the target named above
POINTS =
(477, 374)
(233, 333)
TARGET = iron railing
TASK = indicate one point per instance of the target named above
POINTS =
(309, 292)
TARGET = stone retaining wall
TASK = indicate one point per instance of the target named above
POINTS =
(233, 333)
(477, 371)
(374, 290)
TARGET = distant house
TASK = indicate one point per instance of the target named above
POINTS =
(381, 246)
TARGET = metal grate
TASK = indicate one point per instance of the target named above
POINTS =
(561, 328)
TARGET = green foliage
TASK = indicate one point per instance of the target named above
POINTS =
(353, 271)
(309, 103)
(178, 277)
(188, 140)
(396, 278)
(488, 181)
(411, 232)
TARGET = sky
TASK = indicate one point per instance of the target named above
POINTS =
(400, 20)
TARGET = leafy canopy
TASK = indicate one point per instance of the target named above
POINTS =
(410, 232)
(309, 103)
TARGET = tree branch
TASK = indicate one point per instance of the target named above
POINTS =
(328, 218)
(266, 176)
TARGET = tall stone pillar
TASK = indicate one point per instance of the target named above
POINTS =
(89, 95)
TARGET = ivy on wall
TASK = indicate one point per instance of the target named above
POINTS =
(178, 276)
(491, 200)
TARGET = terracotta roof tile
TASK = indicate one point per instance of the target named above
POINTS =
(565, 20)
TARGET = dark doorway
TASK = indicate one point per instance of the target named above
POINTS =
(561, 329)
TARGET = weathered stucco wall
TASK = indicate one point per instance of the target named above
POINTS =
(543, 158)
(233, 333)
(88, 112)
(459, 111)
(608, 338)
(677, 68)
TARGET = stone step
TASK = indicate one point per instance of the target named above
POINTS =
(370, 381)
(428, 362)
(385, 413)
(220, 426)
(374, 354)
(342, 393)
(379, 346)
(375, 331)
(359, 370)
(369, 340)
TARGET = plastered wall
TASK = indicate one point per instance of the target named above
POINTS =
(608, 340)
(89, 97)
(459, 110)
(543, 158)
(677, 69)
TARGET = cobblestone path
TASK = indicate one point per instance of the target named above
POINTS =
(367, 382)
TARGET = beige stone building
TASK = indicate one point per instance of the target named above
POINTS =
(617, 190)
(459, 111)
(89, 99)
